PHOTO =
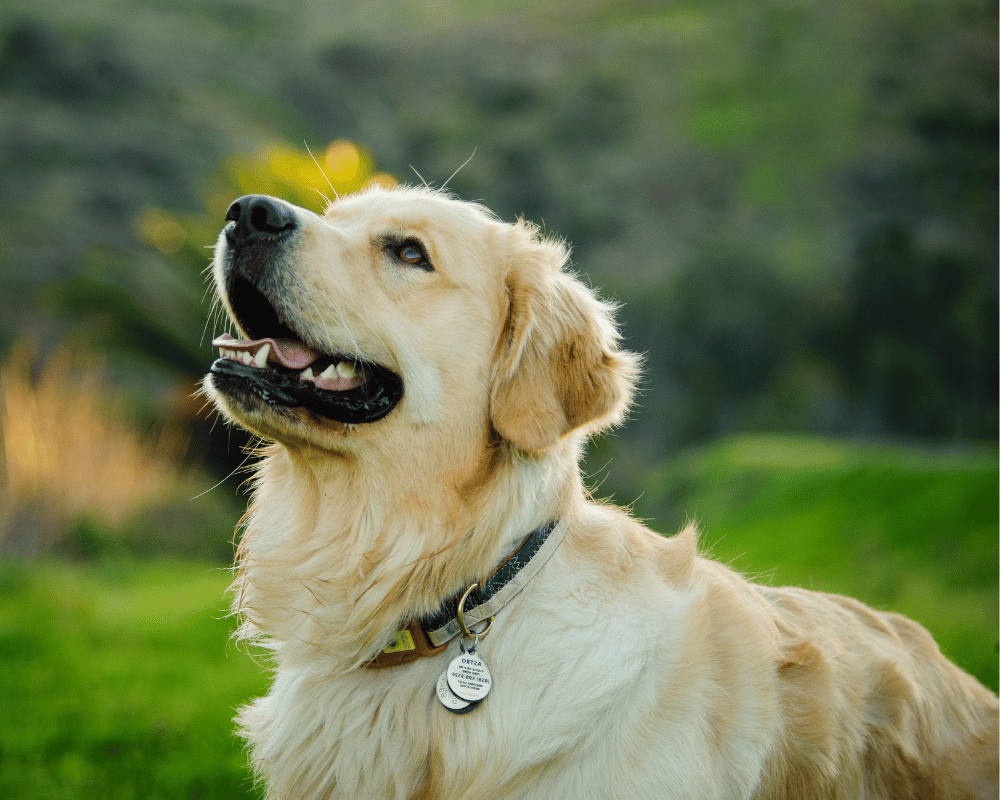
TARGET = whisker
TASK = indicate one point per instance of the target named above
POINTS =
(230, 475)
(332, 189)
(425, 183)
(329, 202)
(445, 184)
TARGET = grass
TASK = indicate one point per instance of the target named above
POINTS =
(119, 682)
(903, 529)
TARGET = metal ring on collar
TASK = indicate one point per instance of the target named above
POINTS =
(460, 617)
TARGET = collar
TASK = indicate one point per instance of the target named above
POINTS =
(430, 635)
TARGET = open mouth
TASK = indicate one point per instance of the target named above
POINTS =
(281, 370)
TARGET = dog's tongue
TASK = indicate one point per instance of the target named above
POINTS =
(288, 352)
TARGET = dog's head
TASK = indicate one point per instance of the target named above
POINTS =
(408, 309)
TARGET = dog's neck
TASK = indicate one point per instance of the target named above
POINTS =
(333, 558)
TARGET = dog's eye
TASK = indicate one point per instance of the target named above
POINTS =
(412, 252)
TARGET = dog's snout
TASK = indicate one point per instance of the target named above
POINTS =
(257, 217)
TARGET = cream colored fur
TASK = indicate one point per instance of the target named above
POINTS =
(629, 667)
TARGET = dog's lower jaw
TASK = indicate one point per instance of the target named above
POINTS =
(295, 427)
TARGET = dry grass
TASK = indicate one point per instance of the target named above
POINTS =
(67, 454)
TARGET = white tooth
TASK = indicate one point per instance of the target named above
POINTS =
(229, 353)
(307, 374)
(260, 359)
(246, 357)
(329, 372)
(345, 370)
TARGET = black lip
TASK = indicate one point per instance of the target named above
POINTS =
(370, 402)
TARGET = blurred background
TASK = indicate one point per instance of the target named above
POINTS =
(794, 202)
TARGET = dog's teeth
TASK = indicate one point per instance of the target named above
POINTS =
(307, 374)
(260, 359)
(247, 358)
(345, 370)
(329, 372)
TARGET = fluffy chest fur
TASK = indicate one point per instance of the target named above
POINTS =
(576, 665)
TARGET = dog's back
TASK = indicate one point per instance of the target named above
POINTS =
(873, 709)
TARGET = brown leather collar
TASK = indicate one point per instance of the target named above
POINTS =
(410, 644)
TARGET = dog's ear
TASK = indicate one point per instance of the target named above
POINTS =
(561, 369)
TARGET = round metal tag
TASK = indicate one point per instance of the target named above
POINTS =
(450, 700)
(469, 677)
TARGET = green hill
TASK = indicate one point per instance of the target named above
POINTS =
(901, 528)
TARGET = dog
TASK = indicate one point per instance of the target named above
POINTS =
(450, 614)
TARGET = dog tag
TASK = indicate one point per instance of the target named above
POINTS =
(468, 675)
(450, 700)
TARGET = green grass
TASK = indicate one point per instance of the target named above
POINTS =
(119, 679)
(119, 682)
(900, 528)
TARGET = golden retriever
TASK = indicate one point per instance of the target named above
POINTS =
(428, 376)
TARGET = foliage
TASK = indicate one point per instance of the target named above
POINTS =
(119, 683)
(901, 528)
(914, 339)
(766, 145)
(63, 455)
(295, 176)
(75, 475)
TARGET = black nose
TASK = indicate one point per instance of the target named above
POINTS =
(257, 217)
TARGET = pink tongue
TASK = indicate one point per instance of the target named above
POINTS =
(287, 352)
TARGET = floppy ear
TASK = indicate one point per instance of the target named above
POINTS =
(562, 369)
